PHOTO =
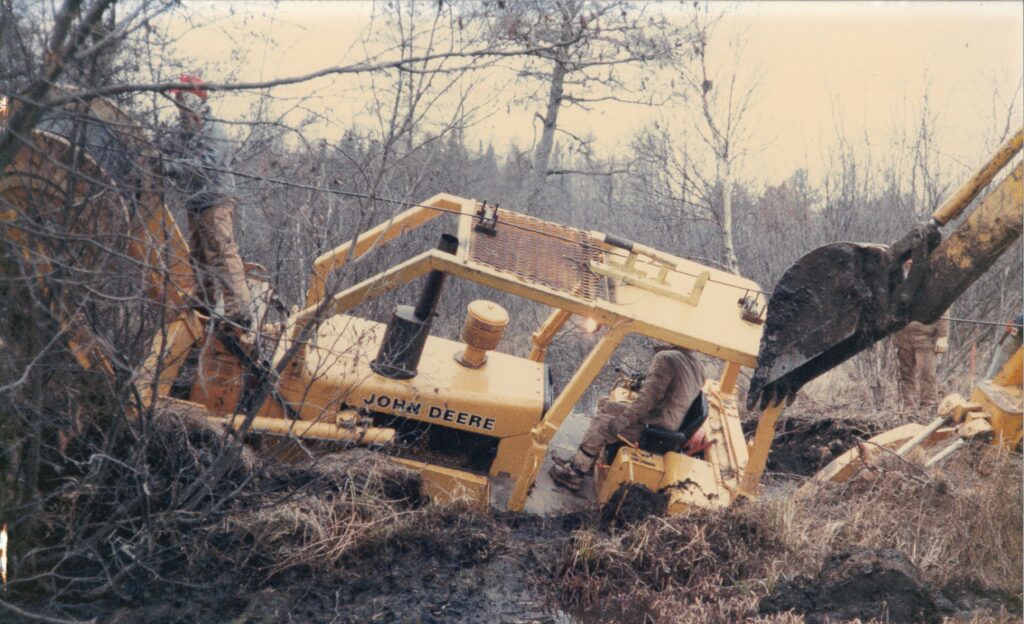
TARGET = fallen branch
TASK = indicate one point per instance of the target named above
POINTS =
(37, 617)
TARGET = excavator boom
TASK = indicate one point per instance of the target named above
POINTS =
(841, 298)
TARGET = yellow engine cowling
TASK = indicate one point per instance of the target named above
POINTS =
(495, 405)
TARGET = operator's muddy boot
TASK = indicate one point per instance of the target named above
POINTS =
(564, 474)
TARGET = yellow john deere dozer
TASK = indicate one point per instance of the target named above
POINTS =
(475, 421)
(841, 298)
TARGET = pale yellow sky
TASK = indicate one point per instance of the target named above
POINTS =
(865, 64)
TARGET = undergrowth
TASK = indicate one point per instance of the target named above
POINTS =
(960, 524)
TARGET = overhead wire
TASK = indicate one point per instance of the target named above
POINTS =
(1006, 324)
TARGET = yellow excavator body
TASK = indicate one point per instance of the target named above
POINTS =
(474, 420)
(1000, 399)
(993, 413)
(688, 482)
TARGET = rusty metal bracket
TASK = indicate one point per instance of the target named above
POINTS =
(750, 311)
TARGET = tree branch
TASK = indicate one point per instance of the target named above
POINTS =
(36, 617)
(358, 68)
(58, 49)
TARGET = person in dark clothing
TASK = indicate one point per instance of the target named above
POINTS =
(674, 380)
(193, 161)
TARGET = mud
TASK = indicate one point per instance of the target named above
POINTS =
(454, 568)
(803, 445)
(457, 565)
(630, 504)
(882, 585)
(442, 565)
(412, 562)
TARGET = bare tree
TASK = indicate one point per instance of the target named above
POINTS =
(721, 98)
(593, 52)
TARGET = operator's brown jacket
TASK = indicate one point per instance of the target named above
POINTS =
(671, 385)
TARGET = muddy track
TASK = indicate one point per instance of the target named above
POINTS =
(454, 567)
(437, 564)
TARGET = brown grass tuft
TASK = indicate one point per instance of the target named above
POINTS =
(664, 566)
(960, 524)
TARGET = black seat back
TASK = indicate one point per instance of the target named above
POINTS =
(695, 416)
(660, 440)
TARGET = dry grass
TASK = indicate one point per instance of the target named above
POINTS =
(696, 567)
(341, 499)
(961, 526)
(354, 522)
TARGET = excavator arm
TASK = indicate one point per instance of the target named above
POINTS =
(841, 298)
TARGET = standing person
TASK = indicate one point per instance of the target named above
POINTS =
(673, 382)
(195, 164)
(917, 344)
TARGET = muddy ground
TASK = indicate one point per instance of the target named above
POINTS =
(507, 569)
(457, 565)
(878, 584)
(805, 443)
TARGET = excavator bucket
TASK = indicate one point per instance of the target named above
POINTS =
(843, 297)
(829, 305)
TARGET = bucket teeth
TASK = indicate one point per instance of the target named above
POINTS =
(831, 304)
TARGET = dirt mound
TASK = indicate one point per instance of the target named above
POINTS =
(630, 504)
(881, 584)
(804, 445)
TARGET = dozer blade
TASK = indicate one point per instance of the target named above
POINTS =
(832, 303)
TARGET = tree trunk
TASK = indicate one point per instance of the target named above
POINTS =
(542, 153)
(727, 243)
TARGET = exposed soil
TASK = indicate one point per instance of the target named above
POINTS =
(803, 444)
(450, 565)
(505, 569)
(630, 504)
(879, 584)
(412, 562)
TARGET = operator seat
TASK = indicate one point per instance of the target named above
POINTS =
(660, 440)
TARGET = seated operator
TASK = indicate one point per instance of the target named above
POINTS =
(673, 382)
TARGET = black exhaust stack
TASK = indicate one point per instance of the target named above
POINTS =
(406, 335)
